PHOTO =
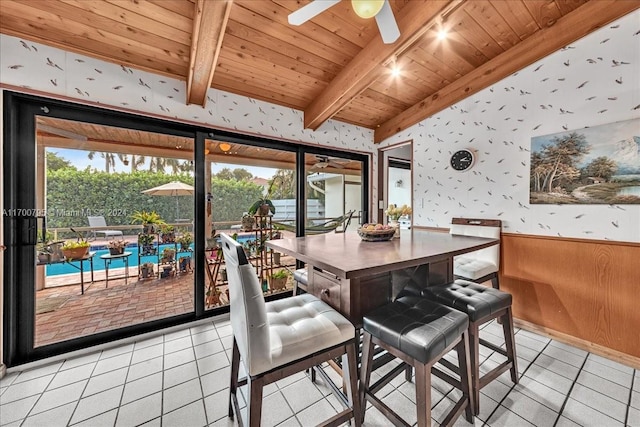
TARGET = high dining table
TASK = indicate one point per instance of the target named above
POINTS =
(355, 276)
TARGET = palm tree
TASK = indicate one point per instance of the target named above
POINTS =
(109, 160)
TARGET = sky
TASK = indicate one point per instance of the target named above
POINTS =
(80, 159)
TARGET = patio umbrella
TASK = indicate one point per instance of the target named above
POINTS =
(174, 188)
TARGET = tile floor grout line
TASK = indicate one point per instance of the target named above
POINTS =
(633, 380)
(513, 386)
(83, 390)
(40, 394)
(566, 399)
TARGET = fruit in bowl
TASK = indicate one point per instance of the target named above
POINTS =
(376, 232)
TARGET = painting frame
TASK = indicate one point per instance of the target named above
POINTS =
(592, 165)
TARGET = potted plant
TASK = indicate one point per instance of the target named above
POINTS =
(146, 270)
(185, 264)
(279, 279)
(116, 247)
(166, 271)
(248, 222)
(44, 249)
(145, 241)
(75, 250)
(263, 205)
(168, 255)
(185, 241)
(167, 233)
(149, 220)
(223, 274)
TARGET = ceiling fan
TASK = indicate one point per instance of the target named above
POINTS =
(363, 8)
(326, 162)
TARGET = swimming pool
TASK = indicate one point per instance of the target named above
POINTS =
(98, 264)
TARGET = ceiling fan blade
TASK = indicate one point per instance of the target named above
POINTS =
(310, 10)
(387, 24)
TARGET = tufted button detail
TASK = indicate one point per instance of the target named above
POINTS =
(416, 326)
(477, 301)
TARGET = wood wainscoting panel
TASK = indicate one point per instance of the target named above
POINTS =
(586, 289)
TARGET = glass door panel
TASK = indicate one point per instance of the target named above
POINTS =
(243, 178)
(115, 245)
(333, 192)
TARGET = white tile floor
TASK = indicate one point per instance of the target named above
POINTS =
(181, 379)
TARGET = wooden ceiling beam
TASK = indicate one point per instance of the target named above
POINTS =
(571, 27)
(209, 25)
(414, 19)
(114, 147)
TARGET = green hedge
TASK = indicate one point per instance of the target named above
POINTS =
(72, 195)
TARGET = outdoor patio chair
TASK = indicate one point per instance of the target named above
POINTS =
(99, 225)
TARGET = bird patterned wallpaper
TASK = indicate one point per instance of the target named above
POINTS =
(40, 68)
(594, 81)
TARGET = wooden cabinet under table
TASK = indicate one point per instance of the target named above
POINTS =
(354, 276)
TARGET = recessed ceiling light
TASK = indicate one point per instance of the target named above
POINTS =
(442, 34)
(395, 71)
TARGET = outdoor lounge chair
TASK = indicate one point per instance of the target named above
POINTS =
(98, 225)
(326, 227)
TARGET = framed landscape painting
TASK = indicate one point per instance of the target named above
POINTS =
(594, 165)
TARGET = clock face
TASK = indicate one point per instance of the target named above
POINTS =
(462, 160)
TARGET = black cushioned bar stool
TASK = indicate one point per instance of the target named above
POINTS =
(419, 332)
(481, 304)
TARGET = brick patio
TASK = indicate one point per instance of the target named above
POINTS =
(102, 309)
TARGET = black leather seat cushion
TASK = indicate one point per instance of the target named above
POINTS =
(416, 326)
(476, 300)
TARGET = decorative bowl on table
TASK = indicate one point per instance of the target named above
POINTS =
(376, 232)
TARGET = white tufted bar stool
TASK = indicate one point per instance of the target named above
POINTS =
(301, 280)
(482, 265)
(280, 338)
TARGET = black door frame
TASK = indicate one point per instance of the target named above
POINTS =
(19, 149)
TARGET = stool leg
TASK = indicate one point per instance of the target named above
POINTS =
(510, 343)
(474, 352)
(408, 373)
(233, 386)
(365, 371)
(350, 379)
(464, 366)
(423, 394)
(254, 393)
(495, 282)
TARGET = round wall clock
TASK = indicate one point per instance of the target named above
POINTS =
(462, 160)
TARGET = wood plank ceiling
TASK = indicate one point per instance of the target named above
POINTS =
(333, 66)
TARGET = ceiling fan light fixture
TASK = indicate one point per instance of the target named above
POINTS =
(225, 147)
(367, 8)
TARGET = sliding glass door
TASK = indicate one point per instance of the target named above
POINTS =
(111, 220)
(116, 240)
(334, 192)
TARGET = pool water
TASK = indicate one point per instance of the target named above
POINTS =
(98, 264)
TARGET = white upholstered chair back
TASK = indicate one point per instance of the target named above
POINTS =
(248, 312)
(480, 228)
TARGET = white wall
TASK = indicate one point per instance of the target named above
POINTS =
(399, 192)
(49, 70)
(584, 84)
